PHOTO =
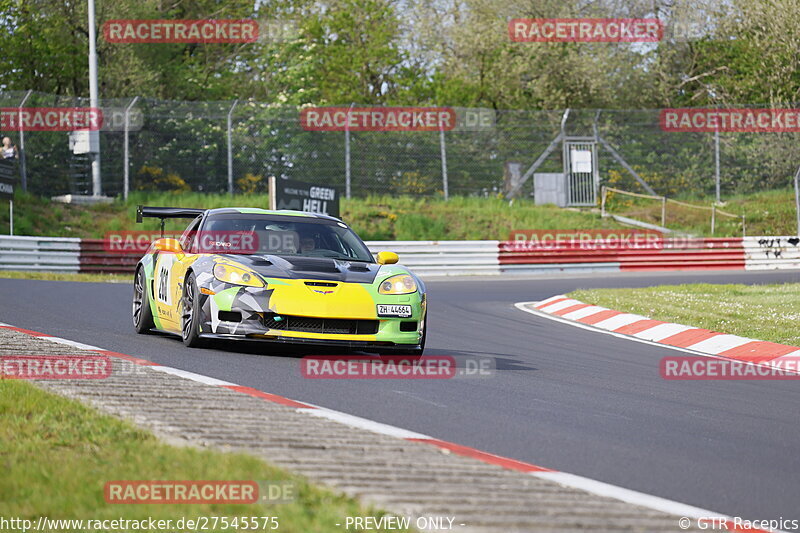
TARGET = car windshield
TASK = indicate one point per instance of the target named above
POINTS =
(281, 235)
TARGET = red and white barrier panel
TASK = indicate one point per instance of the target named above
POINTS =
(656, 254)
(448, 258)
(748, 253)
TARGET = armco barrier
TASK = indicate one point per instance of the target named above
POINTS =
(443, 258)
(665, 254)
(44, 254)
(96, 258)
(768, 253)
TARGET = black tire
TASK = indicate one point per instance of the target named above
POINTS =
(142, 314)
(190, 311)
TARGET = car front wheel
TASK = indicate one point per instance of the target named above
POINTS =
(190, 315)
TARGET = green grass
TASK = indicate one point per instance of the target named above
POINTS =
(766, 213)
(411, 218)
(374, 218)
(762, 312)
(57, 455)
(61, 276)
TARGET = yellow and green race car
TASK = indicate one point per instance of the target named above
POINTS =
(279, 276)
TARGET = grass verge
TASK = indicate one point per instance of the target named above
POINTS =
(762, 312)
(412, 218)
(766, 213)
(373, 218)
(57, 455)
(63, 276)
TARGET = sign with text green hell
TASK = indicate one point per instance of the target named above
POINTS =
(301, 196)
(7, 179)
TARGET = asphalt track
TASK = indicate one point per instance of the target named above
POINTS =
(562, 397)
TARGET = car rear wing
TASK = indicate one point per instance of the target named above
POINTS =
(144, 211)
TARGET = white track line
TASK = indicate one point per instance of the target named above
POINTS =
(78, 345)
(200, 378)
(626, 495)
(363, 423)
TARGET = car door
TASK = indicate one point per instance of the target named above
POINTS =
(170, 269)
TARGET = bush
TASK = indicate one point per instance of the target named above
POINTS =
(250, 183)
(155, 179)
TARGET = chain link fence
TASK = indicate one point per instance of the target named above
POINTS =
(236, 145)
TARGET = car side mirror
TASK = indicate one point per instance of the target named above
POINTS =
(168, 245)
(387, 258)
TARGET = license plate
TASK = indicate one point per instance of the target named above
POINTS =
(402, 311)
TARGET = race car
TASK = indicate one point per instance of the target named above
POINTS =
(278, 276)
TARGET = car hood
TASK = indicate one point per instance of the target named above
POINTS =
(274, 266)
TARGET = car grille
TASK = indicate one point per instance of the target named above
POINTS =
(322, 325)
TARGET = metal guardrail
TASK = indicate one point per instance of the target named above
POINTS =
(443, 258)
(43, 254)
(770, 253)
(664, 254)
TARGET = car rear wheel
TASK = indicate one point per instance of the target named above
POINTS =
(142, 314)
(190, 312)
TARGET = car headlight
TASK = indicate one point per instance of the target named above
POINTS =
(236, 275)
(400, 284)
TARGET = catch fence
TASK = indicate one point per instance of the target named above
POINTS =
(236, 145)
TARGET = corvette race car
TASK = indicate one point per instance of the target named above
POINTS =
(279, 276)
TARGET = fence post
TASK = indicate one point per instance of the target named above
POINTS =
(744, 232)
(713, 218)
(663, 211)
(347, 154)
(126, 159)
(230, 148)
(716, 161)
(97, 179)
(797, 198)
(444, 162)
(23, 171)
(602, 201)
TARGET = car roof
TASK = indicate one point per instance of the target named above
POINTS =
(259, 211)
